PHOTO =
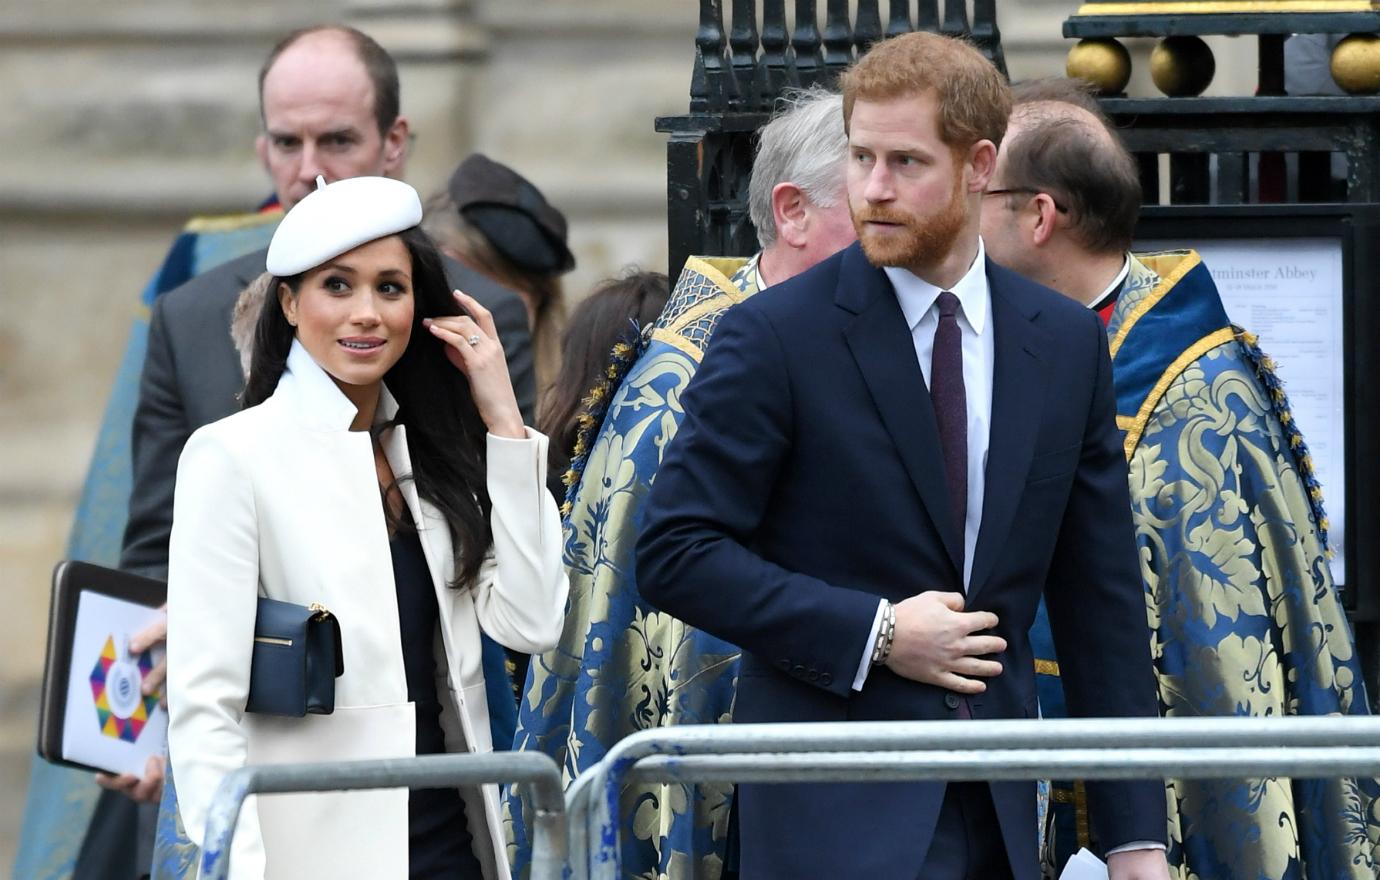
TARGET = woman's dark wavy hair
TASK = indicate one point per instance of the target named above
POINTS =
(616, 310)
(445, 434)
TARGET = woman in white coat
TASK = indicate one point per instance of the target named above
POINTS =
(379, 468)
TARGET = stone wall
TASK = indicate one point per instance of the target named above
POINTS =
(122, 120)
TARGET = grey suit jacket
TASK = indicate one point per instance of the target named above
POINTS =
(192, 377)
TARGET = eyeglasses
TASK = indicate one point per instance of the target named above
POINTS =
(1027, 191)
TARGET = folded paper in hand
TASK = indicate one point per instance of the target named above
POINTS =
(1084, 866)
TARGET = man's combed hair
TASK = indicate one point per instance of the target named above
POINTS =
(803, 144)
(378, 64)
(974, 98)
(1085, 169)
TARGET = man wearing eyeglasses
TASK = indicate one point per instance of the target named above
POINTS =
(1228, 515)
(1066, 159)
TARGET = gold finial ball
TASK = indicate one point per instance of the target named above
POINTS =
(1182, 66)
(1356, 64)
(1105, 64)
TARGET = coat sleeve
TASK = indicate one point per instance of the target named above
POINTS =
(521, 592)
(160, 430)
(1097, 608)
(695, 556)
(213, 577)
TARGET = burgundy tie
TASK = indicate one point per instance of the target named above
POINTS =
(951, 407)
(951, 412)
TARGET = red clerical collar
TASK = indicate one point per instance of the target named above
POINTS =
(1105, 308)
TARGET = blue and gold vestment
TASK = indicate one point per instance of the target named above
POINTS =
(621, 665)
(1244, 616)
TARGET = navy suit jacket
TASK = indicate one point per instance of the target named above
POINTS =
(806, 481)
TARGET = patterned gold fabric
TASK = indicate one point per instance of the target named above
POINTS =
(622, 666)
(1244, 616)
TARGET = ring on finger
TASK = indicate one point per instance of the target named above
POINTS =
(473, 340)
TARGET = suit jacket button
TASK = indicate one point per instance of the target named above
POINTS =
(951, 700)
(798, 671)
(784, 664)
(813, 675)
(826, 678)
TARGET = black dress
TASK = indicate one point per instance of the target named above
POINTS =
(439, 843)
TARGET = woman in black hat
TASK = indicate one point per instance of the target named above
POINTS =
(494, 220)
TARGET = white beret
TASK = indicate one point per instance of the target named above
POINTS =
(339, 217)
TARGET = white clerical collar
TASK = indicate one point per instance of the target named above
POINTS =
(917, 296)
(1111, 289)
(757, 278)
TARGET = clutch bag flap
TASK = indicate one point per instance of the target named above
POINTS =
(296, 658)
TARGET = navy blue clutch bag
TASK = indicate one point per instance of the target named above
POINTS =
(297, 658)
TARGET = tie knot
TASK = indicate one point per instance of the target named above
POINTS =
(948, 304)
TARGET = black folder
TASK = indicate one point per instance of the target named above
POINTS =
(70, 580)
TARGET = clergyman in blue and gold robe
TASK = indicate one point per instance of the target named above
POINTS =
(1244, 616)
(62, 801)
(621, 665)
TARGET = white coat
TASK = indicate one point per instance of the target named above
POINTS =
(282, 500)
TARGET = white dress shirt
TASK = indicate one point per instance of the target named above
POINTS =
(918, 300)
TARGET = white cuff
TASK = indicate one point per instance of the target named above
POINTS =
(514, 466)
(861, 678)
(1135, 845)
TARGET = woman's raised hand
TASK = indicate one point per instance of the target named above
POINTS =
(472, 345)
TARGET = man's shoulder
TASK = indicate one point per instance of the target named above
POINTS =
(1034, 298)
(213, 291)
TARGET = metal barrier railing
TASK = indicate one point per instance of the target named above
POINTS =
(892, 751)
(1086, 748)
(426, 771)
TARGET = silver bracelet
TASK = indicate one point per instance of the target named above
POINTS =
(886, 634)
(890, 626)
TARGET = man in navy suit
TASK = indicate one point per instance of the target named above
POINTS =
(884, 463)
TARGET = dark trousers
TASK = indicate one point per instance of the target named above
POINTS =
(118, 844)
(967, 842)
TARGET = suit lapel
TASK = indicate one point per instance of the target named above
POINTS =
(1018, 393)
(250, 267)
(881, 344)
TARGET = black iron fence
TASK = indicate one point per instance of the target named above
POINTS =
(743, 65)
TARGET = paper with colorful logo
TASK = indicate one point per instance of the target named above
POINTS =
(110, 723)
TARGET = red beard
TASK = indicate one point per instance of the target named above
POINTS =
(919, 241)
